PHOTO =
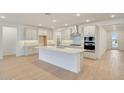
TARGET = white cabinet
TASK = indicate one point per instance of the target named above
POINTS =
(27, 34)
(66, 34)
(89, 30)
(34, 35)
(31, 34)
(48, 33)
(42, 32)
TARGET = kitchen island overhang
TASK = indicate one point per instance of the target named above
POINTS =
(67, 58)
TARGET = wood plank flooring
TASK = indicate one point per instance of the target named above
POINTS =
(109, 67)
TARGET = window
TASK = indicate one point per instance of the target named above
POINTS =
(114, 40)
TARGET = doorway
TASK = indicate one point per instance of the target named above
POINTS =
(9, 40)
(114, 40)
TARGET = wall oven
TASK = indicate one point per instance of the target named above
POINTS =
(89, 43)
(89, 46)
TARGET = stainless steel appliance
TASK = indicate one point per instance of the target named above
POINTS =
(89, 43)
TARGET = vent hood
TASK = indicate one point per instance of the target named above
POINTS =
(76, 36)
(76, 32)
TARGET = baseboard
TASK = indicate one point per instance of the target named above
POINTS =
(19, 55)
(7, 54)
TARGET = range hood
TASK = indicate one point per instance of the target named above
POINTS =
(76, 36)
(76, 32)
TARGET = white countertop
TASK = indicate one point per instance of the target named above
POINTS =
(78, 47)
(66, 50)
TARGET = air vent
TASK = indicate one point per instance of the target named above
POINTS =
(47, 14)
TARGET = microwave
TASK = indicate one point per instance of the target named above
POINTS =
(89, 38)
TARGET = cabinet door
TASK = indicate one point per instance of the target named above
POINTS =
(50, 35)
(66, 35)
(31, 34)
(63, 35)
(34, 35)
(42, 32)
(28, 34)
(89, 30)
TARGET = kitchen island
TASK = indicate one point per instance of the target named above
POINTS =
(66, 58)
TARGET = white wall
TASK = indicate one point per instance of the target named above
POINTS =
(102, 42)
(1, 53)
(121, 40)
(9, 40)
(109, 40)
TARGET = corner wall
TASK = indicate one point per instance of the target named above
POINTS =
(102, 42)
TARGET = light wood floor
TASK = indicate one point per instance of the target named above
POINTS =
(109, 67)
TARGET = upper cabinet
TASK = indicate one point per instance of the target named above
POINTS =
(66, 34)
(89, 30)
(31, 34)
(42, 32)
(47, 33)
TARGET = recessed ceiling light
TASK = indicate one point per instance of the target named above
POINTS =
(2, 17)
(112, 16)
(78, 14)
(40, 24)
(87, 20)
(54, 20)
(66, 24)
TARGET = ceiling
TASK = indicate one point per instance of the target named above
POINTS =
(118, 27)
(54, 20)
